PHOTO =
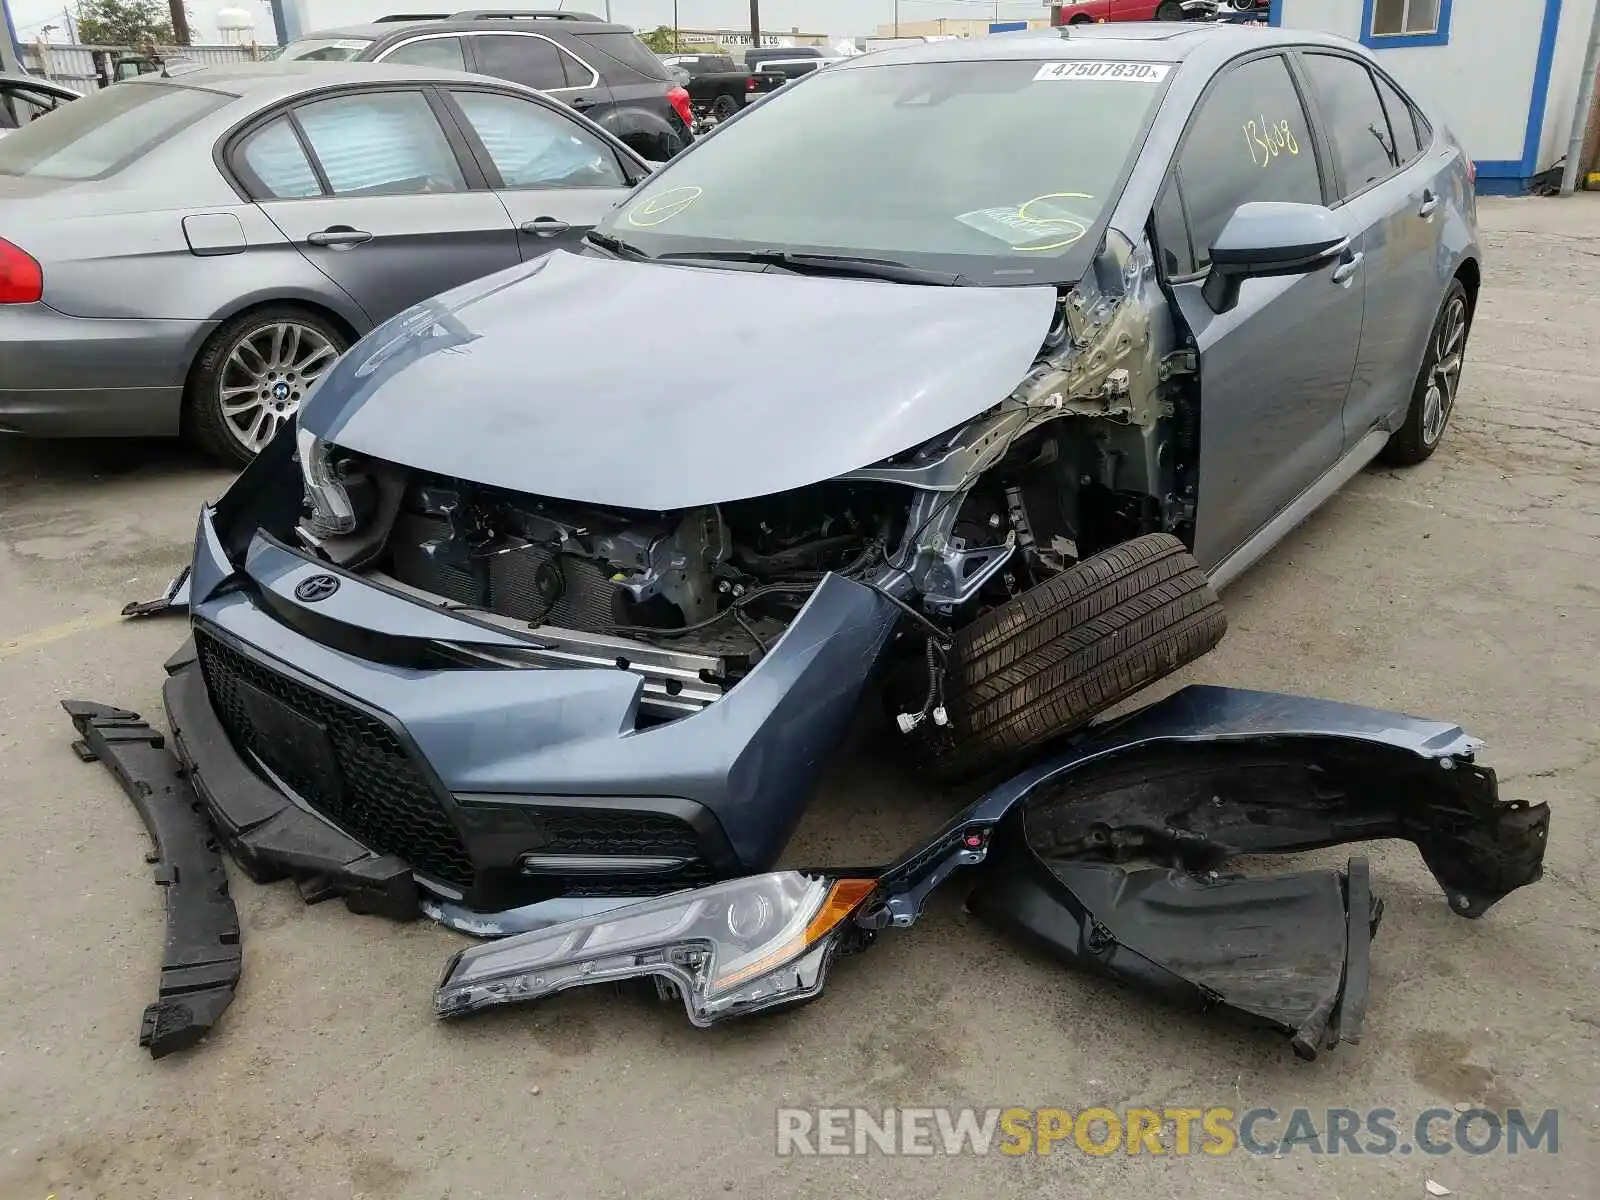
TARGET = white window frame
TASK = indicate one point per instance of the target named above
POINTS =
(463, 35)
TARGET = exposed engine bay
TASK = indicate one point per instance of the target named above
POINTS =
(1094, 447)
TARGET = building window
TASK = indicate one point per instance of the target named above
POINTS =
(1386, 24)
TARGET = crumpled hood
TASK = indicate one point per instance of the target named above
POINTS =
(645, 385)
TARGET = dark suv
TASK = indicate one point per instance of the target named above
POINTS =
(600, 69)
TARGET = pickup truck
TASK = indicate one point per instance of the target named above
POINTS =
(718, 87)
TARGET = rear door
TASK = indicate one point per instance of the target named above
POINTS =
(373, 190)
(555, 178)
(20, 104)
(1390, 192)
(1274, 371)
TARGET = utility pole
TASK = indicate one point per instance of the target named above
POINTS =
(677, 42)
(1580, 114)
(180, 22)
(755, 24)
(897, 18)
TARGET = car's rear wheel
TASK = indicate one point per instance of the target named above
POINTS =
(1433, 397)
(252, 375)
(1046, 662)
(724, 107)
(1169, 10)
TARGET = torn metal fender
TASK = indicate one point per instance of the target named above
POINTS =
(1344, 773)
(202, 958)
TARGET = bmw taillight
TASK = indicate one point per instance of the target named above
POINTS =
(679, 99)
(21, 280)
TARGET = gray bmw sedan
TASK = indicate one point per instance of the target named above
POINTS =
(192, 254)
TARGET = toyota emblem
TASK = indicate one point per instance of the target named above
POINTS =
(316, 587)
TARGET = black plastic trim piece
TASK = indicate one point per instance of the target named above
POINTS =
(202, 957)
(269, 835)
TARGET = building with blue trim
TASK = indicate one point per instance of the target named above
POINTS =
(1504, 74)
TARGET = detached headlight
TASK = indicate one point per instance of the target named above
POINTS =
(732, 948)
(332, 512)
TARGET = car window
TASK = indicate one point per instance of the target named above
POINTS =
(534, 61)
(1401, 122)
(1249, 141)
(324, 49)
(842, 166)
(443, 52)
(103, 132)
(277, 162)
(626, 49)
(21, 104)
(380, 144)
(531, 146)
(1172, 232)
(1355, 119)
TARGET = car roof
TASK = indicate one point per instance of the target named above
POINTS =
(263, 82)
(1156, 41)
(384, 30)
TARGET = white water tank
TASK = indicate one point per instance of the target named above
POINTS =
(236, 25)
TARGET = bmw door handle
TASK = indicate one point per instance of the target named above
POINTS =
(544, 227)
(1429, 203)
(339, 237)
(1345, 271)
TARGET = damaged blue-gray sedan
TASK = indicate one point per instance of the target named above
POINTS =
(1016, 350)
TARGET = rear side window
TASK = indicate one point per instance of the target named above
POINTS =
(631, 52)
(1355, 119)
(278, 162)
(1248, 141)
(380, 144)
(532, 61)
(1402, 121)
(442, 52)
(104, 132)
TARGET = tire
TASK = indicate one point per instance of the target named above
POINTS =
(656, 147)
(1169, 10)
(293, 347)
(1438, 383)
(1080, 19)
(724, 107)
(1049, 660)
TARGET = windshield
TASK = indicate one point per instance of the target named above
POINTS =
(994, 170)
(325, 49)
(105, 131)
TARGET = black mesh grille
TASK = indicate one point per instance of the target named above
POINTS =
(385, 799)
(609, 831)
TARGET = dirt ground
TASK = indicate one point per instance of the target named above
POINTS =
(1467, 588)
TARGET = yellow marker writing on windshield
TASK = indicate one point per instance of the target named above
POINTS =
(663, 206)
(1070, 228)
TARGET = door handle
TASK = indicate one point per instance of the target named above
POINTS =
(581, 102)
(1345, 270)
(544, 227)
(339, 237)
(1429, 203)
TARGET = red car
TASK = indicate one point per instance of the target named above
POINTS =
(1116, 10)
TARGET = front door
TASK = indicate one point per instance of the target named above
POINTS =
(1275, 370)
(555, 178)
(382, 205)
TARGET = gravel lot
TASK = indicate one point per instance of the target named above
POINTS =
(1467, 588)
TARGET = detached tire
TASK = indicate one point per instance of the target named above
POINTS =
(1052, 658)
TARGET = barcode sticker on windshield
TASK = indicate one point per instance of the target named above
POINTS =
(1116, 72)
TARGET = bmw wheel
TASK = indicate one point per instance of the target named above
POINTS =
(1433, 398)
(1169, 10)
(253, 374)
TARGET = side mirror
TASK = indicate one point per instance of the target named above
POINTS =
(1267, 238)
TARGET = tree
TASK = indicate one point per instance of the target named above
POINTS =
(125, 23)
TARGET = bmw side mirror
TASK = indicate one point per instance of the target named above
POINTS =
(1266, 238)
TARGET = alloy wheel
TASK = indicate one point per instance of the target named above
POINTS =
(1444, 379)
(266, 376)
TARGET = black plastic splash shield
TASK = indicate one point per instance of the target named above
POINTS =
(1283, 952)
(202, 958)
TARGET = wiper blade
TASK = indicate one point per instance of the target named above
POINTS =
(828, 264)
(616, 245)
